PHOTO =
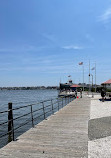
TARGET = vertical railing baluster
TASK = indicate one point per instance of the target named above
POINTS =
(52, 106)
(62, 102)
(32, 117)
(10, 123)
(12, 126)
(43, 109)
(58, 104)
(65, 100)
(70, 98)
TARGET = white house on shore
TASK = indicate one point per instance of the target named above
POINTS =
(107, 84)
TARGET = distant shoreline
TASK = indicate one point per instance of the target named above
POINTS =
(29, 88)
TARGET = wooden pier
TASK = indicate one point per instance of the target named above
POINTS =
(62, 135)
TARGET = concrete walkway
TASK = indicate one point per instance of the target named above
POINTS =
(99, 145)
(62, 135)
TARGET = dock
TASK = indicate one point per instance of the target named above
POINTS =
(62, 135)
(66, 94)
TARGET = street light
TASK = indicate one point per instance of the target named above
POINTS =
(92, 86)
(81, 63)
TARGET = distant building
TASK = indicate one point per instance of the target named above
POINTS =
(68, 86)
(74, 86)
(107, 84)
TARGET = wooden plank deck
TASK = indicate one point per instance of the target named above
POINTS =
(62, 135)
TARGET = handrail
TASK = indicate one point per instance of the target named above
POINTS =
(22, 116)
(27, 121)
(4, 123)
(23, 107)
(47, 106)
(1, 112)
(54, 104)
(37, 110)
(38, 116)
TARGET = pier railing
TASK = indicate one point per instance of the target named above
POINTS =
(38, 111)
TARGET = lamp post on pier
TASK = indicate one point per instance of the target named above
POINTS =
(81, 63)
(92, 86)
(89, 78)
(94, 68)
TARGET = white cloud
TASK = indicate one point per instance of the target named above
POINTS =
(106, 16)
(76, 47)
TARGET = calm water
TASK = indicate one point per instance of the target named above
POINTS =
(21, 98)
(24, 96)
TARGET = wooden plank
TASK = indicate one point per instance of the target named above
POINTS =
(62, 135)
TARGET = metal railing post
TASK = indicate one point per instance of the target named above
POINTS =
(43, 109)
(62, 102)
(13, 126)
(10, 123)
(52, 106)
(58, 104)
(70, 98)
(32, 117)
(67, 100)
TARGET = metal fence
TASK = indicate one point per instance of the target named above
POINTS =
(34, 112)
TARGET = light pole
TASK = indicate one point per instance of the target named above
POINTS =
(89, 76)
(95, 76)
(83, 78)
(92, 86)
(81, 63)
(94, 68)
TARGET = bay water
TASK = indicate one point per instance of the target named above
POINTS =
(20, 98)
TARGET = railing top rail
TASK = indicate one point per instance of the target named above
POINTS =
(34, 104)
(23, 107)
(30, 105)
(4, 111)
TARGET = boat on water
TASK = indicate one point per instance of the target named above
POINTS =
(68, 89)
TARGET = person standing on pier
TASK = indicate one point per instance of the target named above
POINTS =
(80, 93)
(102, 95)
(76, 93)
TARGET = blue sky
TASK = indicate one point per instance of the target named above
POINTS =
(42, 41)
